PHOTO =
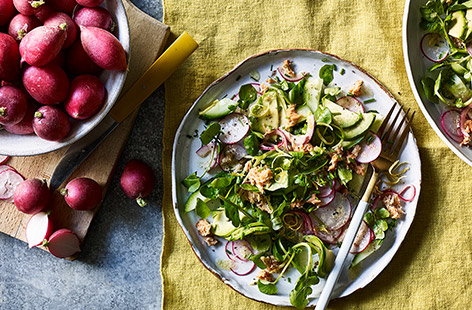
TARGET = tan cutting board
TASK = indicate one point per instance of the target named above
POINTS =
(148, 38)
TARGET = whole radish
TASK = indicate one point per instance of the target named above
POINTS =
(9, 58)
(103, 48)
(57, 19)
(60, 60)
(78, 62)
(7, 11)
(82, 194)
(51, 124)
(66, 6)
(25, 126)
(47, 85)
(137, 181)
(94, 17)
(45, 12)
(32, 196)
(89, 3)
(13, 105)
(29, 7)
(86, 97)
(43, 44)
(38, 229)
(21, 24)
(63, 243)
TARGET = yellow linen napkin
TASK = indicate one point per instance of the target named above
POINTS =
(433, 267)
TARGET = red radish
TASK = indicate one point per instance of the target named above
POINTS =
(63, 243)
(3, 159)
(103, 48)
(89, 3)
(370, 150)
(9, 58)
(7, 11)
(60, 60)
(32, 196)
(450, 124)
(230, 155)
(326, 200)
(57, 19)
(328, 236)
(335, 214)
(25, 126)
(82, 194)
(9, 180)
(51, 124)
(40, 46)
(86, 97)
(44, 13)
(94, 17)
(351, 103)
(29, 7)
(364, 237)
(434, 47)
(13, 105)
(78, 62)
(6, 167)
(38, 229)
(47, 85)
(234, 128)
(66, 6)
(21, 24)
(137, 181)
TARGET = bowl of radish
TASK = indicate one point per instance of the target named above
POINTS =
(62, 67)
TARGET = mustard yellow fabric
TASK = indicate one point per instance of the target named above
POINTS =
(433, 268)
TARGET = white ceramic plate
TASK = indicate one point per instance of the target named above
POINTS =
(185, 162)
(28, 145)
(416, 66)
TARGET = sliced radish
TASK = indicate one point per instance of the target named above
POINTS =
(450, 124)
(231, 155)
(234, 128)
(328, 236)
(9, 180)
(434, 47)
(242, 250)
(6, 167)
(337, 185)
(336, 214)
(364, 237)
(63, 243)
(327, 199)
(242, 268)
(350, 103)
(4, 159)
(38, 229)
(370, 150)
(327, 190)
(211, 155)
(204, 151)
(296, 78)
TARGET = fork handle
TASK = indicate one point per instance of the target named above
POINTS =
(351, 233)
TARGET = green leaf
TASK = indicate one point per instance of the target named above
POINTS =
(326, 74)
(267, 288)
(345, 175)
(323, 115)
(202, 209)
(382, 213)
(299, 295)
(369, 218)
(247, 95)
(251, 144)
(256, 259)
(296, 94)
(210, 133)
(209, 192)
(192, 182)
(221, 182)
(232, 213)
(255, 75)
(249, 187)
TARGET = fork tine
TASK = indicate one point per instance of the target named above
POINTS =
(386, 135)
(399, 127)
(404, 134)
(386, 119)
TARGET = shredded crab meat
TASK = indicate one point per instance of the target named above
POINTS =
(270, 80)
(297, 204)
(314, 200)
(393, 204)
(356, 89)
(257, 199)
(203, 227)
(265, 276)
(292, 116)
(273, 266)
(336, 157)
(259, 177)
(264, 88)
(354, 153)
(468, 131)
(287, 69)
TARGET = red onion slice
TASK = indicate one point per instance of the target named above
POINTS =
(401, 194)
(326, 191)
(241, 250)
(297, 78)
(434, 47)
(243, 268)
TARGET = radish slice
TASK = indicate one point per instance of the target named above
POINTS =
(231, 155)
(211, 151)
(336, 214)
(234, 128)
(364, 237)
(4, 159)
(6, 167)
(296, 78)
(350, 103)
(39, 227)
(242, 249)
(434, 47)
(9, 180)
(243, 268)
(204, 151)
(328, 236)
(328, 199)
(450, 124)
(326, 191)
(370, 150)
(63, 243)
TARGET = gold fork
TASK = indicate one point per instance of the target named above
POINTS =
(392, 136)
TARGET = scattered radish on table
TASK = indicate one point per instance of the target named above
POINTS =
(21, 24)
(13, 105)
(38, 229)
(9, 58)
(86, 97)
(137, 181)
(82, 194)
(47, 85)
(51, 124)
(32, 196)
(9, 180)
(63, 243)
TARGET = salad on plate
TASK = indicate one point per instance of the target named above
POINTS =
(283, 162)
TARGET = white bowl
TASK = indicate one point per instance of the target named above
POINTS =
(29, 145)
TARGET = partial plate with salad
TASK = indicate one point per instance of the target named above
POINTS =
(267, 169)
(437, 47)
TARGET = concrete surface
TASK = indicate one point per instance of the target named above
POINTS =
(119, 264)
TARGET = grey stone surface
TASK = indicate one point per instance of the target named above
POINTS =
(119, 265)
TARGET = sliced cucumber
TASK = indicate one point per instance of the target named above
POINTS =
(374, 246)
(459, 25)
(362, 127)
(219, 108)
(342, 117)
(313, 88)
(192, 201)
(222, 226)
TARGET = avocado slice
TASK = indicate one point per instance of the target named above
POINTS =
(313, 88)
(222, 226)
(191, 202)
(341, 116)
(459, 25)
(364, 125)
(218, 109)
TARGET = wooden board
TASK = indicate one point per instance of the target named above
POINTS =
(148, 38)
